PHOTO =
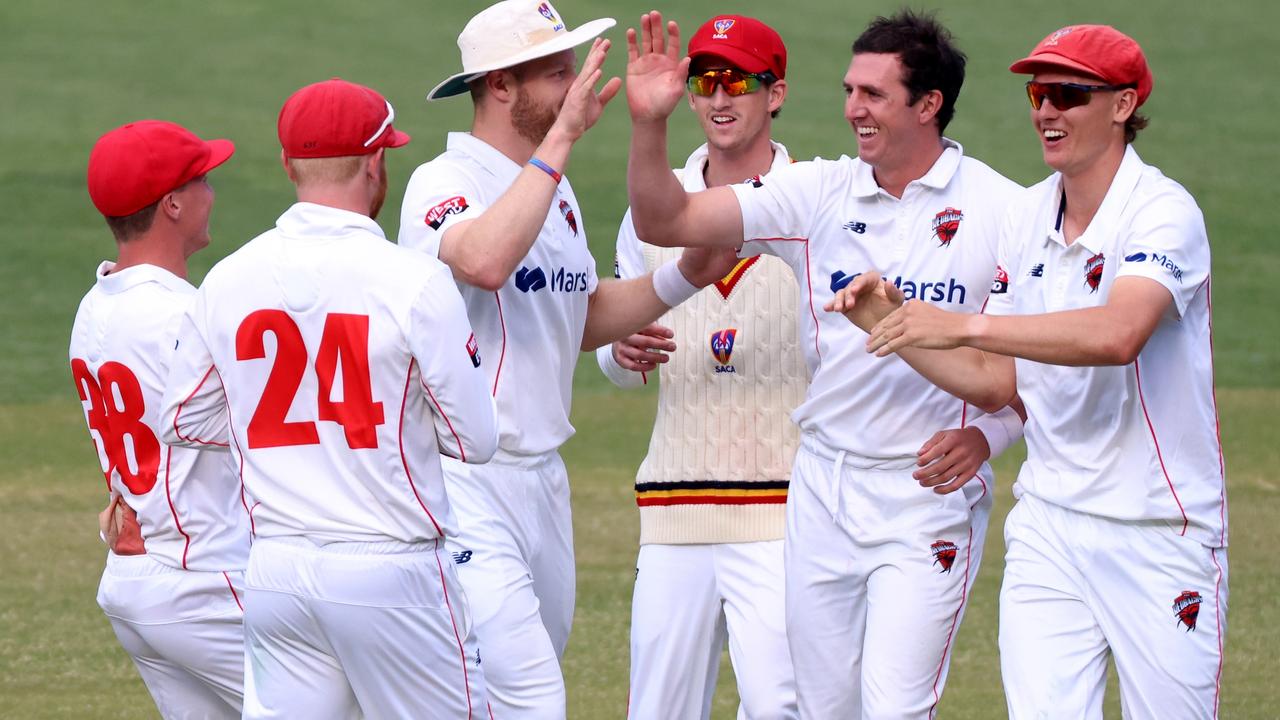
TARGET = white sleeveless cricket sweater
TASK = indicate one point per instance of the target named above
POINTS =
(723, 442)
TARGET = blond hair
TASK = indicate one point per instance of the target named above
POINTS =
(325, 171)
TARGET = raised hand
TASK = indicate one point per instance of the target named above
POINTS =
(867, 300)
(951, 458)
(645, 350)
(582, 105)
(656, 68)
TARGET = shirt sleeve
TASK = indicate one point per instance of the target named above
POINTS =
(194, 409)
(1000, 299)
(448, 358)
(1167, 242)
(628, 262)
(778, 209)
(438, 197)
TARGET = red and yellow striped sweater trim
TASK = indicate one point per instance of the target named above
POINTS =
(712, 492)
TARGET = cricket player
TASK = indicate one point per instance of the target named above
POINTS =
(712, 490)
(341, 367)
(173, 586)
(496, 209)
(878, 564)
(1102, 323)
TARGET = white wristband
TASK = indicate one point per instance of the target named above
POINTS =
(1001, 429)
(671, 286)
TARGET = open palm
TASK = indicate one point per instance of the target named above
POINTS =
(656, 68)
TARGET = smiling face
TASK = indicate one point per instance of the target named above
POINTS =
(1074, 139)
(889, 127)
(733, 122)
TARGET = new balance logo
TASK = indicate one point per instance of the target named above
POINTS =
(530, 280)
(1037, 270)
(462, 557)
(839, 280)
(855, 226)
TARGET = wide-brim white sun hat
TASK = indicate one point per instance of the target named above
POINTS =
(510, 33)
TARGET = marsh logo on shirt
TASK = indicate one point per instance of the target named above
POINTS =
(944, 554)
(1161, 260)
(945, 226)
(436, 215)
(567, 211)
(948, 290)
(1186, 608)
(560, 280)
(1093, 272)
(722, 349)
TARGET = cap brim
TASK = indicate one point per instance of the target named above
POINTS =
(738, 58)
(219, 152)
(457, 84)
(397, 139)
(1050, 61)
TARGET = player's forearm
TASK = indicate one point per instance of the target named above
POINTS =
(619, 308)
(1087, 337)
(978, 378)
(657, 199)
(487, 250)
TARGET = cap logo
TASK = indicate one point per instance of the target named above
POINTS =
(391, 115)
(722, 27)
(545, 11)
(1058, 35)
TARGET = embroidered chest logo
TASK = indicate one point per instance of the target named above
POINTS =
(722, 349)
(945, 225)
(855, 226)
(567, 211)
(473, 350)
(1093, 272)
(1186, 607)
(726, 284)
(1036, 270)
(436, 215)
(944, 554)
(722, 27)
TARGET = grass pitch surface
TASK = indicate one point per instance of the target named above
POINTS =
(70, 71)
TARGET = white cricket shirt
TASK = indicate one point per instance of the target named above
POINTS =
(188, 501)
(532, 327)
(1133, 442)
(830, 221)
(344, 366)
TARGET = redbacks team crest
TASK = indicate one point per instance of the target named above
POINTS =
(945, 226)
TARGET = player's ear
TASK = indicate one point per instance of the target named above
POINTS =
(374, 165)
(500, 84)
(288, 170)
(170, 205)
(1126, 103)
(930, 104)
(777, 95)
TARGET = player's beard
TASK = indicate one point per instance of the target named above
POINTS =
(532, 119)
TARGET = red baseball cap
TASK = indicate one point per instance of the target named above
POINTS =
(336, 118)
(136, 164)
(745, 42)
(1098, 50)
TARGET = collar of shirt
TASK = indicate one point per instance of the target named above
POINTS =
(944, 168)
(1108, 215)
(485, 155)
(309, 220)
(697, 163)
(113, 282)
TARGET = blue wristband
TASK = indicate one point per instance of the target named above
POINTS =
(546, 169)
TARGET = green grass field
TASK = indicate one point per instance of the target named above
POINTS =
(72, 70)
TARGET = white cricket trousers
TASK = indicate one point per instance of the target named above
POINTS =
(688, 600)
(878, 573)
(1080, 588)
(183, 630)
(351, 629)
(514, 556)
